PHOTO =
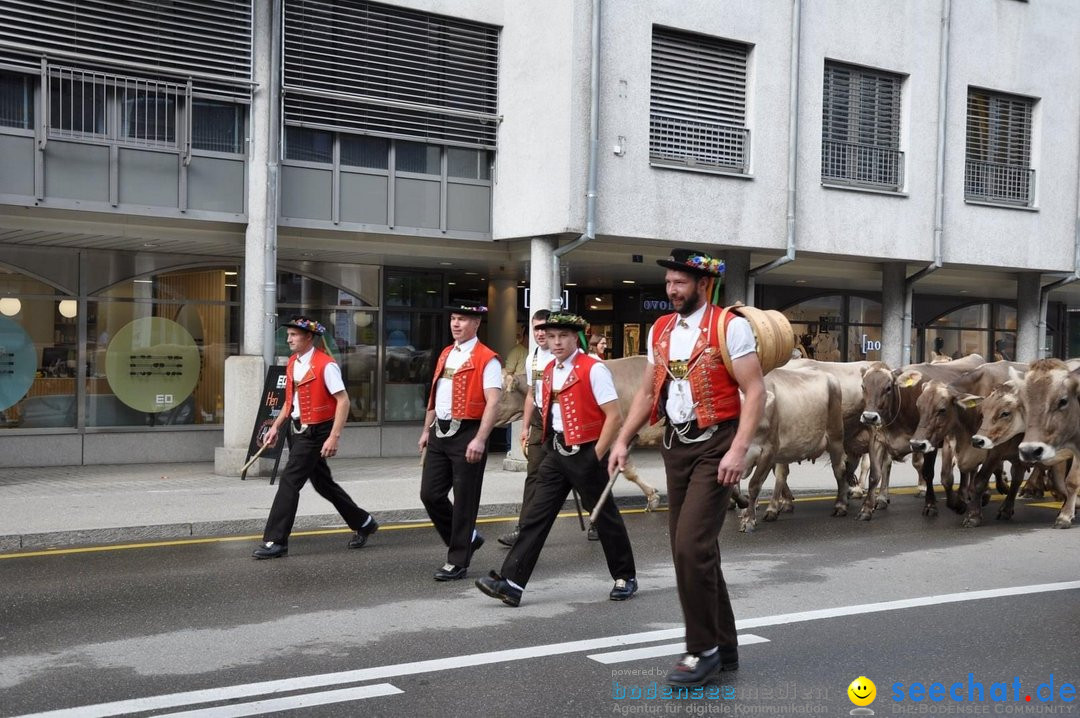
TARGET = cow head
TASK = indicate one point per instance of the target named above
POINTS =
(881, 393)
(937, 412)
(1002, 416)
(511, 400)
(1051, 406)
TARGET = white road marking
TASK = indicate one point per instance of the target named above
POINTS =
(210, 695)
(306, 700)
(667, 649)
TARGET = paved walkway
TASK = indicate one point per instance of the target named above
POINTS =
(63, 506)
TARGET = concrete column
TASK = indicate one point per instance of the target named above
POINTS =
(244, 374)
(1028, 285)
(892, 313)
(737, 277)
(540, 280)
(502, 314)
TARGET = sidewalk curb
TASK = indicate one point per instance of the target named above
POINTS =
(241, 527)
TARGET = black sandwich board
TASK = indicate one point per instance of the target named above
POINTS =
(271, 405)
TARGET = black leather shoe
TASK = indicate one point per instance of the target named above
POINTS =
(694, 670)
(450, 572)
(270, 550)
(511, 538)
(477, 543)
(593, 534)
(360, 537)
(623, 589)
(498, 587)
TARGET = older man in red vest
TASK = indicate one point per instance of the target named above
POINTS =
(461, 414)
(581, 416)
(316, 407)
(708, 433)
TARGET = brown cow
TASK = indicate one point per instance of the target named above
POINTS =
(803, 419)
(626, 372)
(1051, 397)
(951, 415)
(893, 416)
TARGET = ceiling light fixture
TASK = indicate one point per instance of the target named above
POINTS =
(68, 308)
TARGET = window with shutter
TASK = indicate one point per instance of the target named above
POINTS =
(860, 128)
(998, 158)
(697, 104)
(362, 67)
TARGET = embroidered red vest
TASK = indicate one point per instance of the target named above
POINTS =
(715, 391)
(317, 404)
(467, 388)
(582, 417)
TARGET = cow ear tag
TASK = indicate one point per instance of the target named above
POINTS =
(909, 381)
(970, 403)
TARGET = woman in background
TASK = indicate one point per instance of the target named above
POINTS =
(598, 346)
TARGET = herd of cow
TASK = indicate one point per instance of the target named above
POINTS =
(977, 415)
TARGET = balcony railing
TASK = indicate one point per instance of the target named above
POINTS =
(998, 183)
(849, 163)
(683, 142)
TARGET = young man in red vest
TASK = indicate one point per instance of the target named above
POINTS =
(581, 416)
(705, 443)
(319, 408)
(460, 416)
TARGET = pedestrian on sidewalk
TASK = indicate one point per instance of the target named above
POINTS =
(316, 407)
(461, 409)
(581, 417)
(532, 428)
(704, 449)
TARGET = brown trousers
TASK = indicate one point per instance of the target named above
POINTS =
(697, 505)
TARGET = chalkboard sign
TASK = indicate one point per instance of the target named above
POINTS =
(271, 404)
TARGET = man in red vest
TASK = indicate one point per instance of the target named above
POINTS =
(705, 442)
(316, 407)
(460, 416)
(581, 416)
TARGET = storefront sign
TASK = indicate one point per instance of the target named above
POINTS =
(18, 363)
(271, 404)
(656, 305)
(870, 345)
(152, 364)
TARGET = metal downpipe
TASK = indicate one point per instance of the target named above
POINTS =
(272, 184)
(594, 149)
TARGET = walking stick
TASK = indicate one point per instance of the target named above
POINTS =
(254, 458)
(577, 505)
(603, 497)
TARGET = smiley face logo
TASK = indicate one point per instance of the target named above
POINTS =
(862, 691)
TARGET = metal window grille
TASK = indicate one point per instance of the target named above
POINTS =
(697, 104)
(16, 101)
(208, 40)
(374, 69)
(217, 126)
(860, 135)
(998, 156)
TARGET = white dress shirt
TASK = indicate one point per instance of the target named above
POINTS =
(331, 375)
(600, 381)
(457, 357)
(680, 400)
(535, 366)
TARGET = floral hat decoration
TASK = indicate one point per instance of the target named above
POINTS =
(306, 324)
(567, 320)
(699, 264)
(471, 308)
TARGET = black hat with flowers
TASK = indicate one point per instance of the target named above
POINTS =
(693, 262)
(306, 324)
(567, 320)
(463, 307)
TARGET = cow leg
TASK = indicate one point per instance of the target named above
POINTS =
(979, 485)
(780, 488)
(1035, 484)
(652, 495)
(748, 516)
(858, 489)
(916, 463)
(881, 501)
(1057, 475)
(999, 480)
(1068, 507)
(1008, 506)
(878, 457)
(929, 459)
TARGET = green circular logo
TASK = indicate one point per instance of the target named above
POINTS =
(18, 363)
(152, 364)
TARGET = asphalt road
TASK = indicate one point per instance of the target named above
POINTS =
(200, 629)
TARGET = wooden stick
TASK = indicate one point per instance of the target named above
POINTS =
(253, 458)
(603, 497)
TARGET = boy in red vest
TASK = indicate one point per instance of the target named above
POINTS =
(316, 407)
(461, 410)
(709, 431)
(581, 416)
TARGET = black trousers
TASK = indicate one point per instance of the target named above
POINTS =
(537, 451)
(445, 468)
(306, 462)
(557, 475)
(697, 505)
